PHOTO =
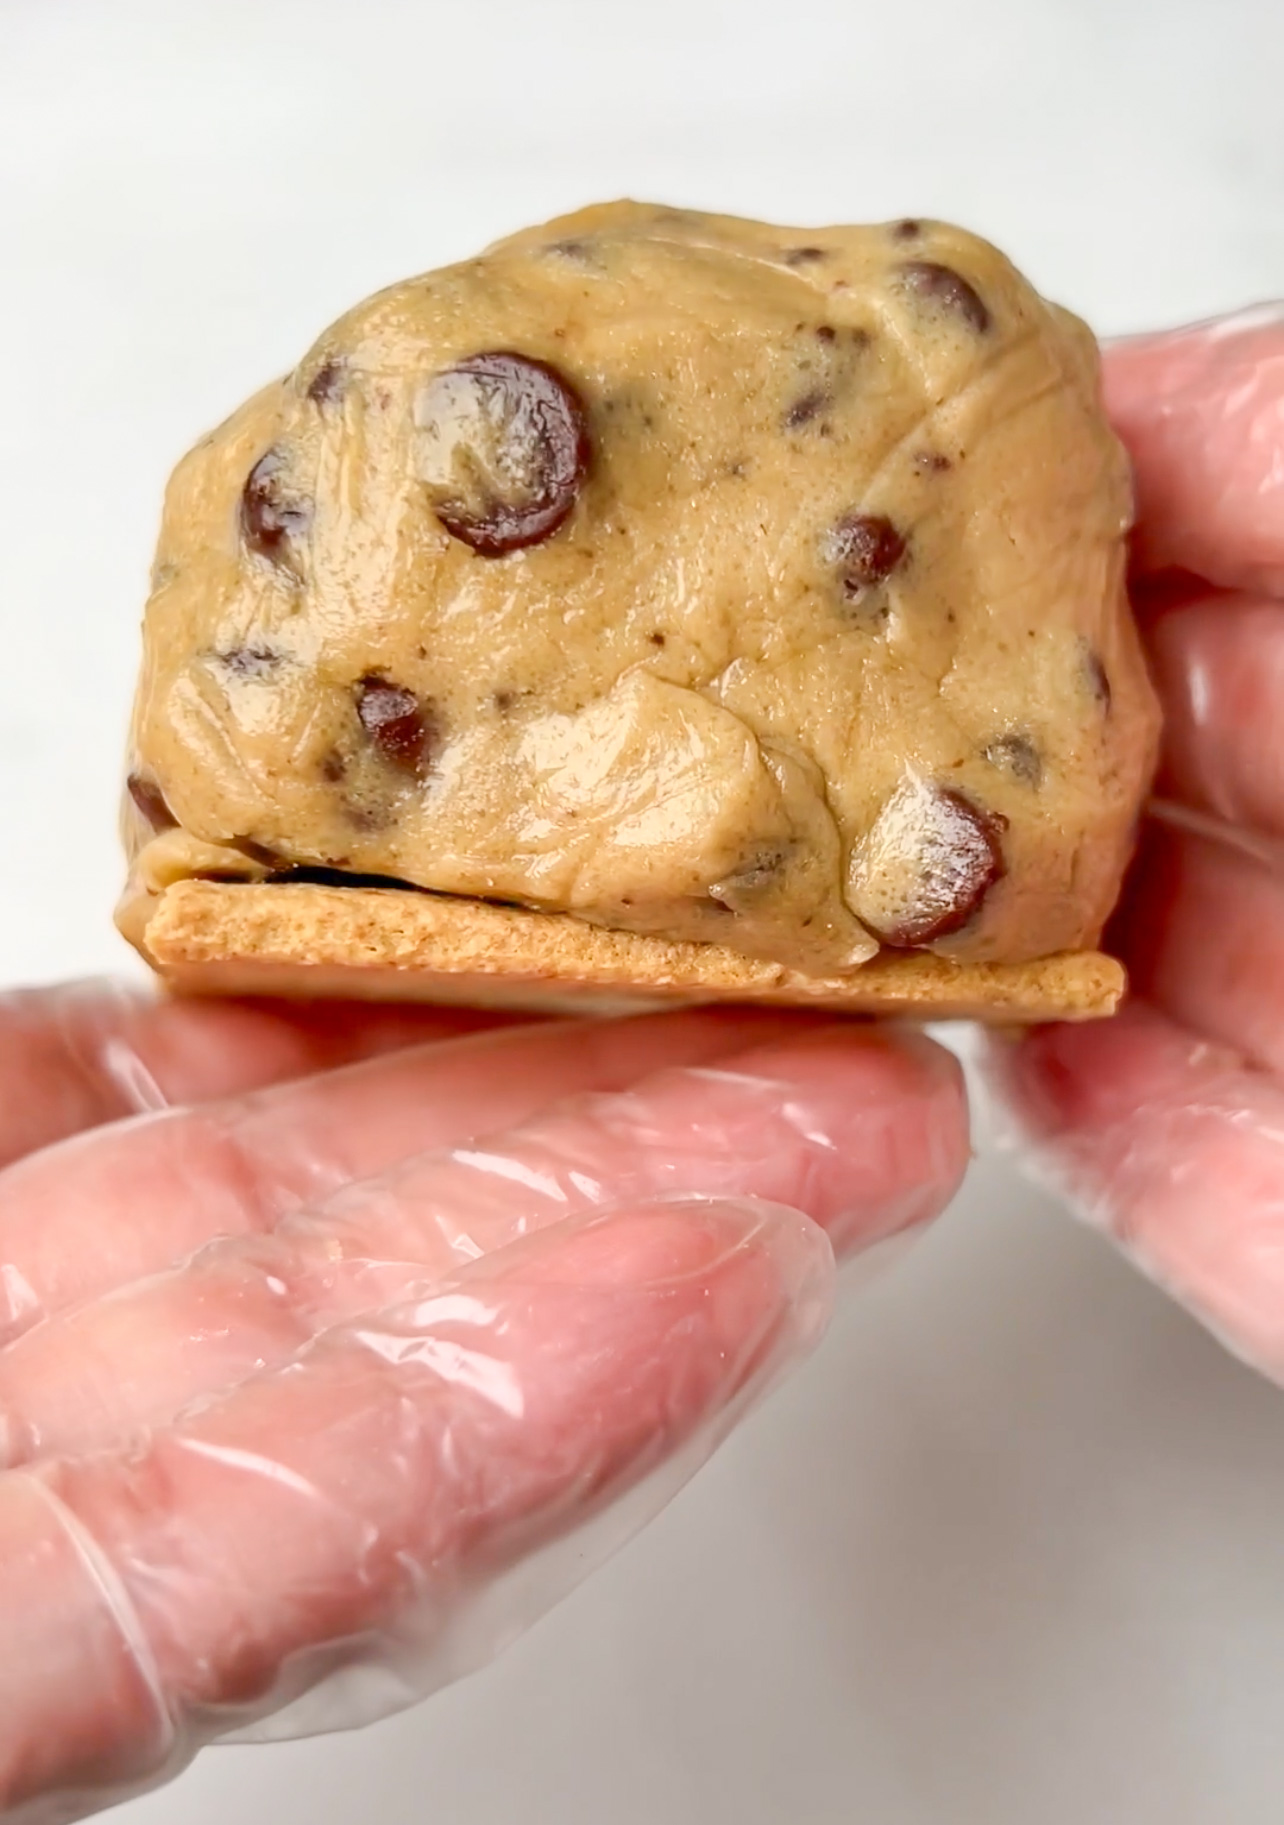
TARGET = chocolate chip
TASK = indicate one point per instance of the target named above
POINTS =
(947, 289)
(805, 256)
(1097, 679)
(805, 408)
(925, 868)
(329, 383)
(866, 548)
(931, 462)
(401, 727)
(253, 661)
(583, 253)
(741, 890)
(273, 518)
(503, 450)
(825, 332)
(258, 852)
(657, 638)
(150, 800)
(1016, 754)
(908, 229)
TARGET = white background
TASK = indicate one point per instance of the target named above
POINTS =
(1011, 1551)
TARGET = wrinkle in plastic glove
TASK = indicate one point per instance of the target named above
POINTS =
(1165, 1127)
(314, 1394)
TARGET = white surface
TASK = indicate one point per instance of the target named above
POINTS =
(1010, 1550)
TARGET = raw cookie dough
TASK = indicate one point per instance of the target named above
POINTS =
(695, 577)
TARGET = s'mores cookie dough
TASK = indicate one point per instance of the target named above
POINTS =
(673, 575)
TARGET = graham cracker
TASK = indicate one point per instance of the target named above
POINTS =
(389, 944)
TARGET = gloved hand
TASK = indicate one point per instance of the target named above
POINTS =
(1166, 1126)
(303, 1388)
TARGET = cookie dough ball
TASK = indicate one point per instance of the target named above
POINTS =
(688, 575)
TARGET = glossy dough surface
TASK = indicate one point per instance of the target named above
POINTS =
(692, 576)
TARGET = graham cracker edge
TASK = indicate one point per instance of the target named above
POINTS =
(309, 941)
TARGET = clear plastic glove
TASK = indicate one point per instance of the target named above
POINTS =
(304, 1391)
(1166, 1126)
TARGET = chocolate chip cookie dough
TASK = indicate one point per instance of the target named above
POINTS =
(726, 584)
